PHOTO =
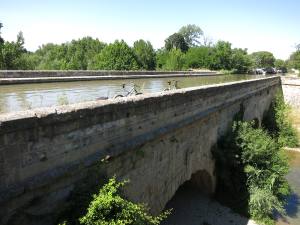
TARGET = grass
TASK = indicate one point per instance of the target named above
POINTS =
(295, 119)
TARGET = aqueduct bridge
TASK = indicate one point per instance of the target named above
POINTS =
(157, 141)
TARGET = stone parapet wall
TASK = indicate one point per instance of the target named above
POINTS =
(157, 141)
(80, 73)
(27, 77)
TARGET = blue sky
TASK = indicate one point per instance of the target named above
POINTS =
(257, 25)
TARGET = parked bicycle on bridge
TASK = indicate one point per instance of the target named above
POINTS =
(135, 90)
(172, 85)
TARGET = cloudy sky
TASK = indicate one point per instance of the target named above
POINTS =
(254, 24)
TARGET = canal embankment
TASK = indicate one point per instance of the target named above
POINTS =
(34, 76)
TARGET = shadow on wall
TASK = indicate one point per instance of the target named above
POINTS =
(193, 204)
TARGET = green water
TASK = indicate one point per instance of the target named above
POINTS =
(29, 96)
(293, 206)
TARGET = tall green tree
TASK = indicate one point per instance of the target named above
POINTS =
(198, 57)
(176, 41)
(12, 54)
(240, 60)
(175, 60)
(221, 56)
(74, 55)
(263, 59)
(192, 34)
(1, 39)
(115, 56)
(145, 55)
(281, 65)
(1, 47)
(161, 58)
(294, 60)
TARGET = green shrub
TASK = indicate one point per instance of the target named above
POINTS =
(109, 208)
(277, 122)
(252, 163)
(115, 56)
(175, 60)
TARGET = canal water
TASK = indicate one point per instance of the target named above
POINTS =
(293, 206)
(29, 96)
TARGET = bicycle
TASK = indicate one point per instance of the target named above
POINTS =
(172, 85)
(131, 92)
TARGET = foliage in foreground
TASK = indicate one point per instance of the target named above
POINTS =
(109, 208)
(252, 163)
(278, 123)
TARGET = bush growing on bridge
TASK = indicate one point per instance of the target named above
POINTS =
(252, 163)
(278, 124)
(109, 208)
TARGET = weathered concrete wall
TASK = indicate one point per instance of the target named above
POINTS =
(26, 76)
(79, 73)
(157, 141)
(291, 91)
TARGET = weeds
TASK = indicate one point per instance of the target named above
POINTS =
(277, 122)
(108, 207)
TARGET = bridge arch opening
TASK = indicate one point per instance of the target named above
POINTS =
(191, 199)
(201, 181)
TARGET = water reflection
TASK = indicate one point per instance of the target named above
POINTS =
(28, 96)
(293, 201)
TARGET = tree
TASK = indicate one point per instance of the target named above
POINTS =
(1, 39)
(12, 54)
(263, 59)
(175, 60)
(81, 52)
(191, 34)
(198, 57)
(145, 55)
(1, 47)
(161, 58)
(75, 55)
(294, 60)
(281, 65)
(221, 56)
(240, 61)
(176, 41)
(115, 56)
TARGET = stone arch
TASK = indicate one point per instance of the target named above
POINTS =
(202, 181)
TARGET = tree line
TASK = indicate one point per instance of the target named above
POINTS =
(186, 49)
